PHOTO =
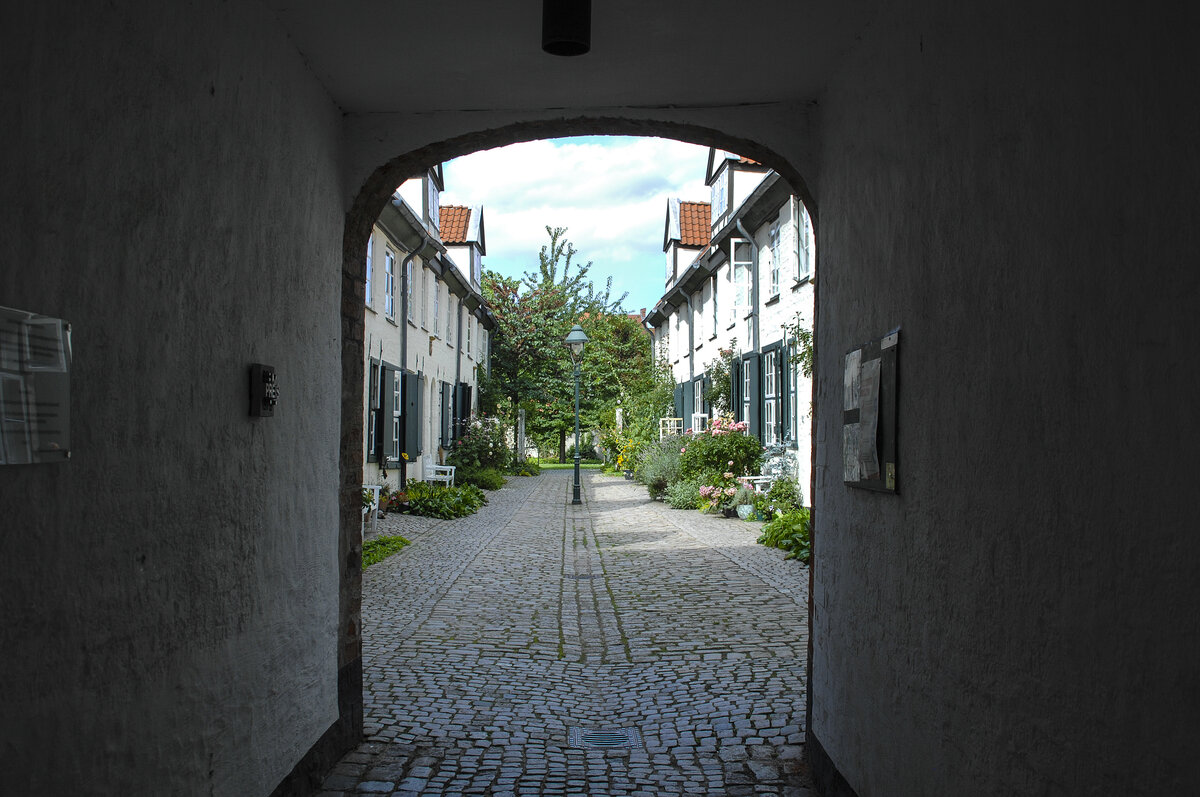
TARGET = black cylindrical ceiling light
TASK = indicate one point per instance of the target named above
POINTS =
(566, 26)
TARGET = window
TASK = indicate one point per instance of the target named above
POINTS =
(408, 288)
(698, 396)
(743, 262)
(745, 392)
(437, 301)
(775, 259)
(714, 305)
(373, 412)
(424, 298)
(720, 195)
(389, 285)
(370, 267)
(450, 317)
(793, 431)
(467, 342)
(432, 199)
(770, 397)
(805, 244)
(397, 410)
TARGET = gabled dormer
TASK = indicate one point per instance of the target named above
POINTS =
(685, 235)
(462, 232)
(731, 179)
(425, 192)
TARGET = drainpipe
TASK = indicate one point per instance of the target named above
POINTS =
(753, 283)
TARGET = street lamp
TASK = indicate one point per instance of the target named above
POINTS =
(576, 340)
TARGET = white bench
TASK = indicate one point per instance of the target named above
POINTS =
(437, 473)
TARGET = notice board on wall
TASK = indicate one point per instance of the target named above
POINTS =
(35, 388)
(869, 414)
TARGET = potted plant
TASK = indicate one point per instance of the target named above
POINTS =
(745, 502)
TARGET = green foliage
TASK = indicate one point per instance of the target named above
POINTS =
(368, 499)
(723, 446)
(380, 548)
(789, 532)
(784, 496)
(720, 374)
(435, 500)
(527, 468)
(683, 494)
(481, 446)
(484, 478)
(744, 496)
(800, 346)
(658, 465)
(719, 491)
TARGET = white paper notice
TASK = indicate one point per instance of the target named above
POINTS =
(868, 419)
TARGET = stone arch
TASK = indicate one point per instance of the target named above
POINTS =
(366, 205)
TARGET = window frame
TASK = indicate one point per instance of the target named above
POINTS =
(774, 240)
(370, 269)
(389, 283)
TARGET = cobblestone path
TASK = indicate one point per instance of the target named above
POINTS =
(489, 638)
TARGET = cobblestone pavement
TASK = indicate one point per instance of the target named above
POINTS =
(490, 637)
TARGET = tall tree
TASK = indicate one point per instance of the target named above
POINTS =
(555, 261)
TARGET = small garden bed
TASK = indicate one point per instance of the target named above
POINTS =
(380, 548)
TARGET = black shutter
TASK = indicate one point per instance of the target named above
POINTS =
(463, 411)
(754, 422)
(689, 390)
(679, 401)
(735, 389)
(411, 396)
(373, 411)
(447, 415)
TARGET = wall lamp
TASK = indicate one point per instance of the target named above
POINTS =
(567, 27)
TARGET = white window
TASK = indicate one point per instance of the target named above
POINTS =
(698, 396)
(389, 284)
(720, 194)
(397, 407)
(743, 262)
(370, 267)
(437, 302)
(775, 259)
(770, 397)
(467, 342)
(714, 305)
(408, 288)
(432, 199)
(450, 318)
(805, 244)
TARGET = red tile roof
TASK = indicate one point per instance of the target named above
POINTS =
(454, 220)
(694, 221)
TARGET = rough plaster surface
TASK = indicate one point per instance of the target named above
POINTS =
(1020, 618)
(167, 620)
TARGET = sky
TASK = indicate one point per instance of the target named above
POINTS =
(610, 192)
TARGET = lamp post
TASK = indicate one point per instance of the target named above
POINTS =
(576, 340)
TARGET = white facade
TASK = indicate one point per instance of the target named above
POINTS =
(426, 330)
(755, 277)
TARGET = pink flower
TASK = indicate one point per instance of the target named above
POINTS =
(731, 462)
(727, 475)
(683, 449)
(730, 491)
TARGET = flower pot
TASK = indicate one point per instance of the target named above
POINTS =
(745, 511)
(730, 511)
(628, 475)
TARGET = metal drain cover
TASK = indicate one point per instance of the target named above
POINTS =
(605, 739)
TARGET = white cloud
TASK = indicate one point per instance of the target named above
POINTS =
(610, 193)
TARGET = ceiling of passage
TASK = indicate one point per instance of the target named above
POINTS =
(454, 55)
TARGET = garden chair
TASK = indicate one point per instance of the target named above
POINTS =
(437, 473)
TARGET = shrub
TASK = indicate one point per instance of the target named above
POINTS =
(380, 548)
(658, 465)
(430, 500)
(481, 446)
(723, 446)
(526, 468)
(784, 496)
(683, 495)
(484, 478)
(789, 532)
(719, 491)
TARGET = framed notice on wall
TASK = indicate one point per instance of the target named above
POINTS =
(869, 415)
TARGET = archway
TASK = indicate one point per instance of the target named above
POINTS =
(365, 209)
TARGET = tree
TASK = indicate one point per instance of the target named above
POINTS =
(554, 268)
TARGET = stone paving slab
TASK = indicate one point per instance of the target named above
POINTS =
(490, 637)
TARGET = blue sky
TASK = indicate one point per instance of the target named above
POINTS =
(609, 192)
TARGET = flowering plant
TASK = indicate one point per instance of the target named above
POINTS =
(723, 446)
(718, 491)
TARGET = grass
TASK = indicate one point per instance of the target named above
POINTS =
(380, 548)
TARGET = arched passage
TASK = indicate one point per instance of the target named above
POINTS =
(366, 206)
